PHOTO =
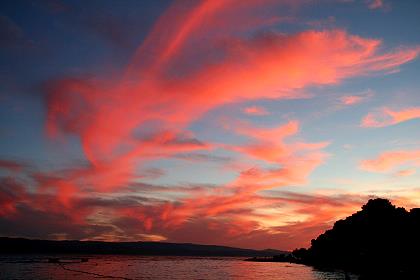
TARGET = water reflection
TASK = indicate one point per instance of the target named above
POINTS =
(134, 267)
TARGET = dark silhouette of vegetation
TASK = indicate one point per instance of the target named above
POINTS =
(381, 240)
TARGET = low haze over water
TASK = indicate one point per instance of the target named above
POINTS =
(134, 267)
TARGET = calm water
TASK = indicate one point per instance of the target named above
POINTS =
(134, 267)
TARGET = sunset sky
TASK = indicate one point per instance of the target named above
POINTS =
(251, 123)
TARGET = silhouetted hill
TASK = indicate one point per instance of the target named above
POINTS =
(28, 246)
(379, 239)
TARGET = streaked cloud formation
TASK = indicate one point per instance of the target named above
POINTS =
(386, 116)
(255, 110)
(349, 100)
(375, 4)
(138, 126)
(392, 159)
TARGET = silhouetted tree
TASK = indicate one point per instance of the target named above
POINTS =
(379, 238)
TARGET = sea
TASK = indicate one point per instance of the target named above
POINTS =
(150, 267)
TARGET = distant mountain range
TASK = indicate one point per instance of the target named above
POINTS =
(29, 246)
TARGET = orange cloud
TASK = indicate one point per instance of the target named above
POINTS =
(256, 111)
(405, 172)
(293, 160)
(349, 100)
(146, 113)
(386, 117)
(106, 115)
(283, 220)
(390, 160)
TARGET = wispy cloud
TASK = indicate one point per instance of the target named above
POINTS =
(389, 160)
(255, 111)
(376, 4)
(349, 100)
(147, 112)
(162, 96)
(386, 117)
(405, 172)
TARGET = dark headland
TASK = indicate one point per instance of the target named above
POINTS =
(30, 246)
(381, 241)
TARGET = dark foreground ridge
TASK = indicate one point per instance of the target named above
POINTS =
(28, 246)
(381, 240)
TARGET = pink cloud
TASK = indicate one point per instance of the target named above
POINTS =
(386, 117)
(405, 172)
(293, 160)
(256, 111)
(375, 4)
(349, 100)
(390, 160)
(123, 122)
